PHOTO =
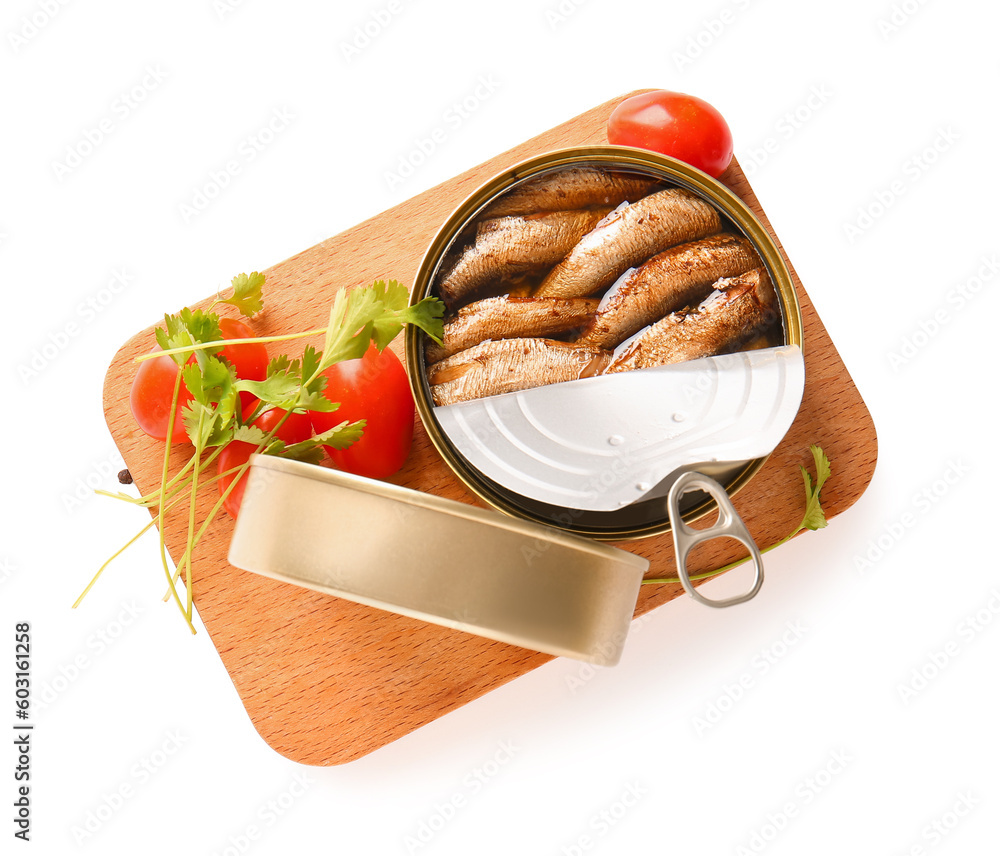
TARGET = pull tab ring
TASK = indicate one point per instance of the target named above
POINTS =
(729, 525)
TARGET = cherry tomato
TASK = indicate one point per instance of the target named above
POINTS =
(235, 454)
(150, 397)
(153, 385)
(296, 428)
(249, 360)
(674, 124)
(373, 388)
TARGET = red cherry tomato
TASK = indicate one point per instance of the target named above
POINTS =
(249, 360)
(234, 455)
(373, 388)
(674, 124)
(153, 385)
(296, 428)
(150, 397)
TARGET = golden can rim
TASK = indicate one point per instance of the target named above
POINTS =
(671, 169)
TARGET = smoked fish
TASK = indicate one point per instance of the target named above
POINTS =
(579, 187)
(671, 280)
(510, 318)
(509, 247)
(739, 309)
(509, 365)
(627, 237)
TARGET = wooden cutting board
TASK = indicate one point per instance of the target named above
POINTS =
(327, 681)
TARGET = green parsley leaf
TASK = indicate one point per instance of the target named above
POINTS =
(278, 364)
(339, 436)
(292, 384)
(814, 517)
(311, 359)
(311, 451)
(210, 383)
(375, 313)
(311, 396)
(250, 434)
(206, 426)
(280, 389)
(306, 452)
(393, 297)
(247, 294)
(313, 399)
(189, 327)
(216, 402)
(358, 317)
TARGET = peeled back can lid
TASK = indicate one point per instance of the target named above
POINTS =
(441, 561)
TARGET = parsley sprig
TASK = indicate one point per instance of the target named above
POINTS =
(214, 418)
(813, 518)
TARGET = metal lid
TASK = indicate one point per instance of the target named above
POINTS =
(435, 559)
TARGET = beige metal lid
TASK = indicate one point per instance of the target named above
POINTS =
(435, 559)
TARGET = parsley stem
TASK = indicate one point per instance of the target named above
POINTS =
(129, 543)
(152, 498)
(221, 343)
(813, 519)
(357, 318)
(114, 556)
(161, 509)
(149, 499)
(193, 542)
(724, 568)
(196, 457)
(241, 471)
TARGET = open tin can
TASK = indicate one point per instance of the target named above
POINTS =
(636, 519)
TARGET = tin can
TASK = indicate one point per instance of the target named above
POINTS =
(464, 568)
(639, 519)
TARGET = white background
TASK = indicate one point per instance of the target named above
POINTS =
(822, 751)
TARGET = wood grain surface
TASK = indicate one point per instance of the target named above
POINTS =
(326, 681)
